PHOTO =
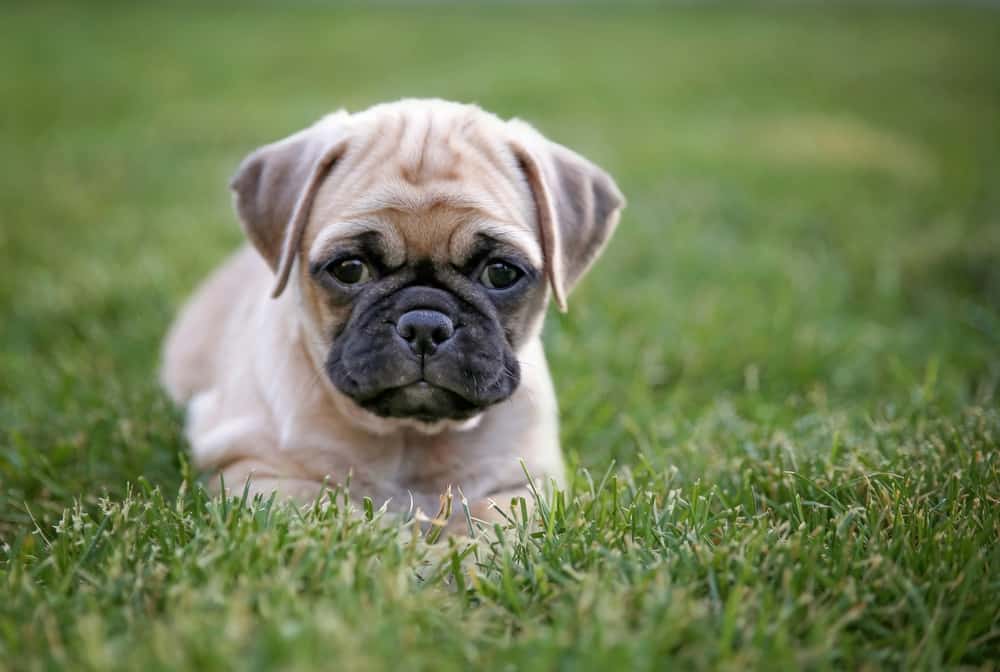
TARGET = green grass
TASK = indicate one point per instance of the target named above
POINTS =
(778, 389)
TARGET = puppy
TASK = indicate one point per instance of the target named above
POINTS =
(384, 322)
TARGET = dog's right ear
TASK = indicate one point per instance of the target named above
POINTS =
(274, 189)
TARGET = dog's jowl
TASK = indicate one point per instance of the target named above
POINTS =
(385, 319)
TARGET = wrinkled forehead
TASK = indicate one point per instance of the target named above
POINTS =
(429, 189)
(440, 228)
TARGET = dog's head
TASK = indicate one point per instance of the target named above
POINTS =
(422, 239)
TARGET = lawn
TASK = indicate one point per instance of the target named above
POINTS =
(778, 389)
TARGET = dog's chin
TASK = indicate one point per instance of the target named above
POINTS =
(422, 402)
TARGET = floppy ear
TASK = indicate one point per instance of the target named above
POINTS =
(274, 189)
(577, 205)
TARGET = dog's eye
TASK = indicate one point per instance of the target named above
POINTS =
(350, 271)
(500, 275)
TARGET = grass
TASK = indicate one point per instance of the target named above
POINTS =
(778, 389)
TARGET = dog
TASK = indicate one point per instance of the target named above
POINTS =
(383, 324)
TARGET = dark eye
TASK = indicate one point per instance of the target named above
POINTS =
(350, 271)
(500, 275)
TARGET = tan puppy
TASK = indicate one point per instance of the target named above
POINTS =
(385, 322)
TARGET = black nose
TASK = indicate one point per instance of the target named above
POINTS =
(425, 330)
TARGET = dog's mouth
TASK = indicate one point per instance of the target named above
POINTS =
(422, 401)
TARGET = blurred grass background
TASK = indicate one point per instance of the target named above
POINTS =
(810, 257)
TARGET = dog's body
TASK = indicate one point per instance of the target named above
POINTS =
(419, 241)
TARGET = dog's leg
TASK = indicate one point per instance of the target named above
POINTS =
(496, 508)
(260, 478)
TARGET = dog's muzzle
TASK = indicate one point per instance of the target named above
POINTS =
(421, 353)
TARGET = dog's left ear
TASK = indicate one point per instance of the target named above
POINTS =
(275, 186)
(577, 206)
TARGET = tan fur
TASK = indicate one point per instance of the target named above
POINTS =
(429, 175)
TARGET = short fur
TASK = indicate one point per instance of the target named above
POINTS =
(316, 384)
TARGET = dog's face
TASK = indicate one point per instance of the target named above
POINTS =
(422, 239)
(421, 311)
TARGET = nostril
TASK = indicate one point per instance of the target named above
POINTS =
(442, 332)
(406, 330)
